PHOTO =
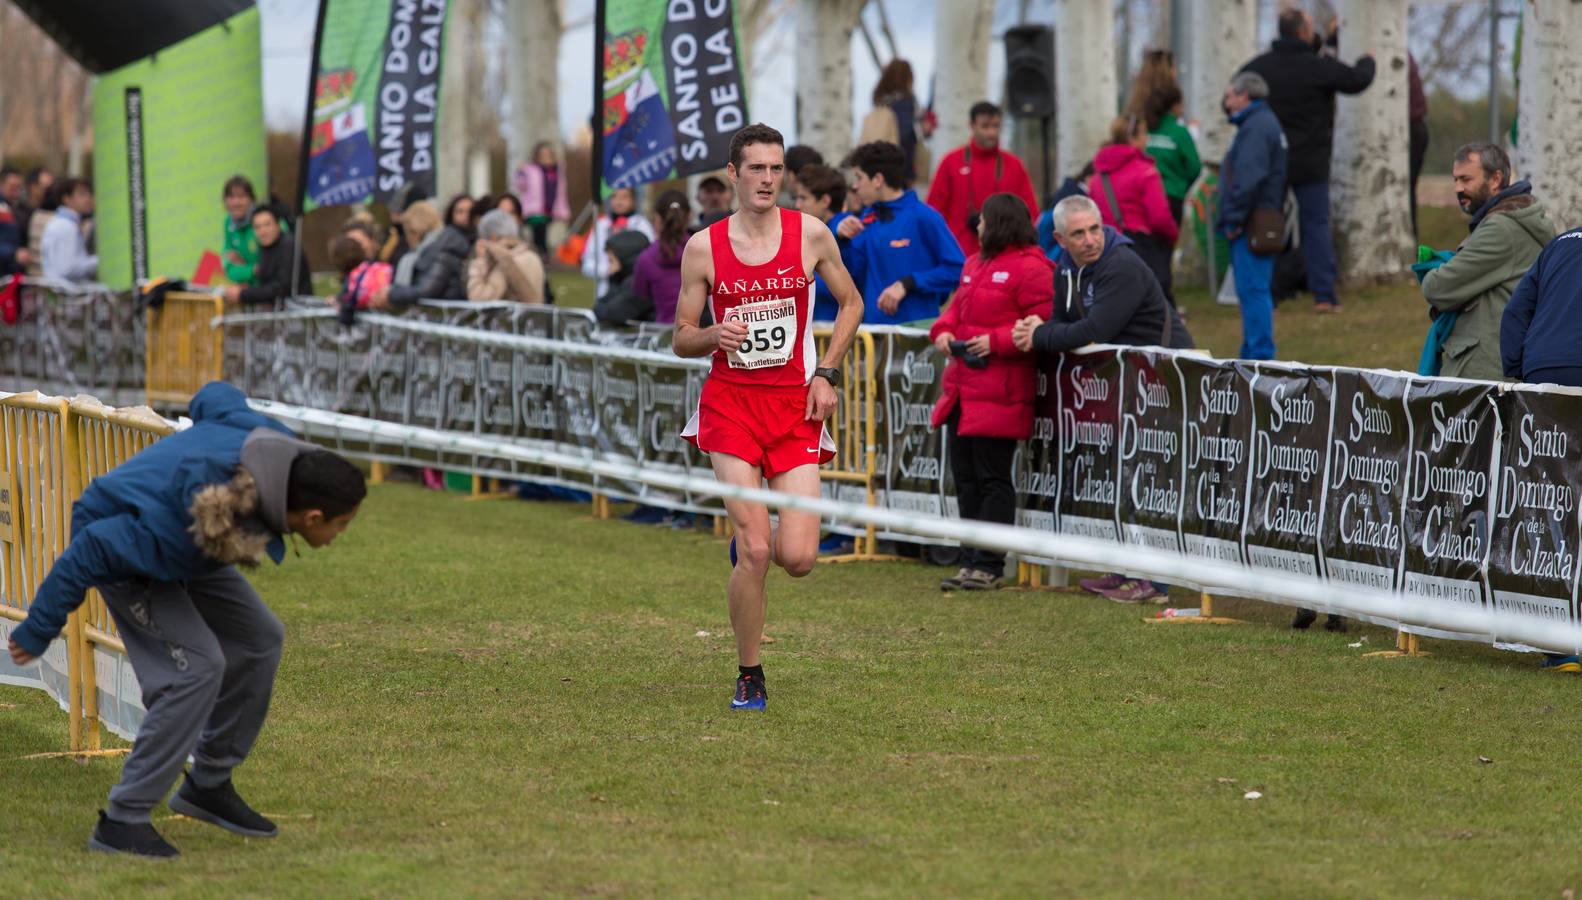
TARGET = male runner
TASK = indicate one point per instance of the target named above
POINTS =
(763, 407)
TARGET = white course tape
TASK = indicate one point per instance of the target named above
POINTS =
(1081, 552)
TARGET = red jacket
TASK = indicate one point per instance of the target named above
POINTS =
(1138, 190)
(961, 185)
(996, 401)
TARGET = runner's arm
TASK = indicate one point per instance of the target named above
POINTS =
(688, 338)
(828, 265)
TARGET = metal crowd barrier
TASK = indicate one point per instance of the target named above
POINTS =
(51, 449)
(185, 350)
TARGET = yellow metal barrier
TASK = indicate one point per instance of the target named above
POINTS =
(51, 449)
(855, 428)
(184, 350)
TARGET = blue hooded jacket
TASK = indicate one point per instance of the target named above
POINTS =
(903, 240)
(825, 307)
(1253, 173)
(1542, 324)
(135, 521)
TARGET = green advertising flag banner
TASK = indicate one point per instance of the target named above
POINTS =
(375, 101)
(671, 89)
(168, 130)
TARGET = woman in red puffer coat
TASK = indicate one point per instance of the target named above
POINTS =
(989, 387)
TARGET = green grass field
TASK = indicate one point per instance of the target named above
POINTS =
(514, 699)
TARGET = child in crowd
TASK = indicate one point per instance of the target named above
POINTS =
(361, 276)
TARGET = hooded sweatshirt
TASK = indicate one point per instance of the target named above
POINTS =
(903, 240)
(1113, 300)
(194, 502)
(1139, 192)
(1541, 331)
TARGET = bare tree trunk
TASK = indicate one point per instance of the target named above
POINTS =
(1369, 206)
(532, 57)
(961, 60)
(1549, 109)
(6, 33)
(81, 122)
(1221, 36)
(455, 102)
(823, 74)
(1084, 80)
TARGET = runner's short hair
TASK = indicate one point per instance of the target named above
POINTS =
(756, 133)
(881, 158)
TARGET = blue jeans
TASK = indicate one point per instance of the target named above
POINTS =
(1318, 244)
(1253, 274)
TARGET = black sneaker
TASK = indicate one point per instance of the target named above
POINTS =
(223, 807)
(1304, 618)
(139, 839)
(750, 694)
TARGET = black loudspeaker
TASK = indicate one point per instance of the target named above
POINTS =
(1030, 71)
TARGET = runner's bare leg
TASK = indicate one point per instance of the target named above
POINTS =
(753, 555)
(796, 539)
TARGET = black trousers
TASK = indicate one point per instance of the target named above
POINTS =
(1418, 130)
(982, 467)
(1155, 252)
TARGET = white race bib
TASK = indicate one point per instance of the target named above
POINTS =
(771, 333)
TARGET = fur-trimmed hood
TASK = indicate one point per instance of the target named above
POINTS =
(234, 522)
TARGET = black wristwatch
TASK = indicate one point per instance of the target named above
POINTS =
(830, 375)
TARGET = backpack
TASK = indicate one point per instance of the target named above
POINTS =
(880, 124)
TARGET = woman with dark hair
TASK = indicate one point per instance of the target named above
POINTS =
(459, 212)
(894, 93)
(1131, 197)
(1156, 99)
(541, 187)
(990, 386)
(657, 281)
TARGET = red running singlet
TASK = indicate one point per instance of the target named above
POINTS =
(775, 299)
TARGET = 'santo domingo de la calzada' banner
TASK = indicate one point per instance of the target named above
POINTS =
(670, 89)
(375, 117)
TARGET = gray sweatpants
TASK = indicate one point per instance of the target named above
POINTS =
(205, 653)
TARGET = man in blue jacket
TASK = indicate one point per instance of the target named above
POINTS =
(160, 537)
(1541, 329)
(899, 250)
(1252, 177)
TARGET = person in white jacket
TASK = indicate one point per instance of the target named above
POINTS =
(620, 214)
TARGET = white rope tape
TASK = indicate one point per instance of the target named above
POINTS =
(1081, 552)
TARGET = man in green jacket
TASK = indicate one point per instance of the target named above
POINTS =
(241, 247)
(1508, 229)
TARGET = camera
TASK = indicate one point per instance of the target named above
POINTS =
(972, 360)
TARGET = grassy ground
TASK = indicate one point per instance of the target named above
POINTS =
(475, 701)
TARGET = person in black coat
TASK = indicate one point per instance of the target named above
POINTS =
(279, 261)
(1302, 87)
(438, 262)
(1104, 292)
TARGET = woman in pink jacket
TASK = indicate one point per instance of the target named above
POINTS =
(990, 386)
(541, 187)
(1131, 196)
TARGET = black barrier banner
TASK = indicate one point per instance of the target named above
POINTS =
(915, 453)
(1365, 492)
(1290, 447)
(1533, 564)
(1036, 467)
(1153, 424)
(1089, 427)
(1218, 457)
(1449, 489)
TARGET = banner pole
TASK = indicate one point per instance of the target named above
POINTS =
(597, 119)
(307, 113)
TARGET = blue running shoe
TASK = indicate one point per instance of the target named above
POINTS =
(750, 693)
(1555, 663)
(733, 552)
